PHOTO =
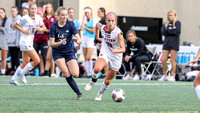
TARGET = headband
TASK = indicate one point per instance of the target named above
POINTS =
(87, 10)
(40, 9)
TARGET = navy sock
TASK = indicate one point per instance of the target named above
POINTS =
(73, 85)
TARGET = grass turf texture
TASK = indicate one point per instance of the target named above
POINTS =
(54, 95)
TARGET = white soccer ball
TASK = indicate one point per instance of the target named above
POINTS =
(118, 95)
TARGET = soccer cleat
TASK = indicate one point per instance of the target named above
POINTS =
(163, 78)
(98, 97)
(171, 79)
(136, 77)
(79, 97)
(127, 77)
(14, 82)
(23, 79)
(89, 86)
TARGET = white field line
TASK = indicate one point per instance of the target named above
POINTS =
(114, 84)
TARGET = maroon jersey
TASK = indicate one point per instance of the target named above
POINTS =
(40, 36)
(52, 19)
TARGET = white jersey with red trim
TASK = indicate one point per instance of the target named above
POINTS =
(110, 40)
(27, 23)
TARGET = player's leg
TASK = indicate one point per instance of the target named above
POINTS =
(89, 59)
(197, 85)
(173, 62)
(64, 69)
(48, 61)
(99, 65)
(110, 75)
(165, 54)
(25, 61)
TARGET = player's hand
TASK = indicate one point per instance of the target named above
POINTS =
(27, 32)
(78, 47)
(192, 62)
(63, 41)
(127, 58)
(38, 29)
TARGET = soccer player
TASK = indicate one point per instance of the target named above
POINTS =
(62, 44)
(28, 24)
(111, 53)
(197, 79)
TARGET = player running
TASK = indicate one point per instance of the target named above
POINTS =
(28, 25)
(111, 53)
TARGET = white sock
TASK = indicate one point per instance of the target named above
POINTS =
(90, 67)
(3, 71)
(58, 71)
(103, 88)
(95, 76)
(15, 76)
(27, 68)
(87, 67)
(197, 89)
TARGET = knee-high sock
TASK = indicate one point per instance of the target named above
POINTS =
(86, 67)
(73, 85)
(27, 68)
(18, 71)
(90, 67)
(103, 88)
(94, 76)
(197, 89)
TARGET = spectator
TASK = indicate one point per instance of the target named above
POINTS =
(12, 36)
(71, 13)
(41, 40)
(49, 15)
(136, 52)
(24, 11)
(88, 27)
(171, 30)
(102, 15)
(3, 43)
(26, 4)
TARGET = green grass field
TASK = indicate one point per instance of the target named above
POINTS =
(54, 95)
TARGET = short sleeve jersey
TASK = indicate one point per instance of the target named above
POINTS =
(27, 23)
(60, 33)
(110, 40)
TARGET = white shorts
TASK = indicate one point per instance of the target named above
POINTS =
(24, 46)
(114, 64)
(87, 42)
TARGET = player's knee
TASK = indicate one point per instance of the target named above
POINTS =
(97, 70)
(197, 80)
(66, 74)
(37, 61)
(107, 82)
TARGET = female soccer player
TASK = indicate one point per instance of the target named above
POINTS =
(197, 79)
(28, 24)
(111, 53)
(61, 41)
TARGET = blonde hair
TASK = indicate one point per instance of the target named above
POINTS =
(175, 18)
(61, 8)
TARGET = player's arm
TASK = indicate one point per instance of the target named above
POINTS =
(196, 59)
(56, 44)
(77, 39)
(90, 30)
(42, 28)
(98, 28)
(122, 48)
(27, 32)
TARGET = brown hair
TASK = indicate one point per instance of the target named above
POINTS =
(52, 11)
(104, 11)
(4, 19)
(131, 31)
(71, 9)
(60, 9)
